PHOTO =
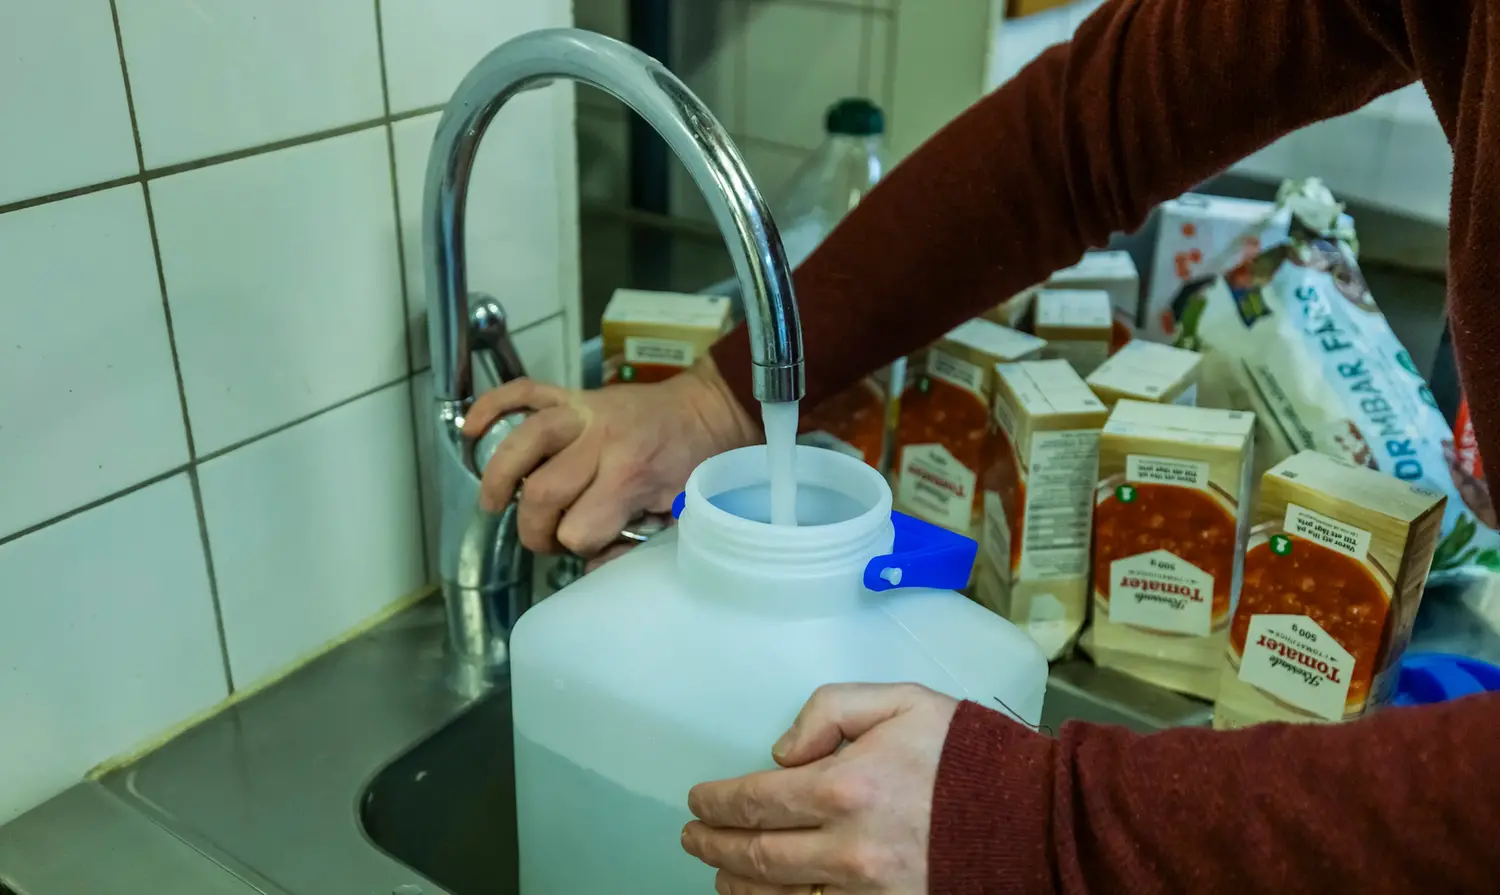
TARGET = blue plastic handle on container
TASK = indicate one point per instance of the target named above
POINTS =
(923, 555)
(1426, 678)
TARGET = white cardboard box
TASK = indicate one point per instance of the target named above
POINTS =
(1196, 231)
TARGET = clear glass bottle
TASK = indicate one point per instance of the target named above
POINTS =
(829, 184)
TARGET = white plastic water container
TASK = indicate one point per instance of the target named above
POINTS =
(684, 661)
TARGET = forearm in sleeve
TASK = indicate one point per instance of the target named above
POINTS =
(1149, 99)
(1407, 800)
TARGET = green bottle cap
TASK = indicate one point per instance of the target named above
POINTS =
(855, 117)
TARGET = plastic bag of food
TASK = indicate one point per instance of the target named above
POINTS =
(1295, 335)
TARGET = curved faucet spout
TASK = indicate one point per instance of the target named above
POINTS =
(692, 132)
(485, 574)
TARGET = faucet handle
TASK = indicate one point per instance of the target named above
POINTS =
(495, 354)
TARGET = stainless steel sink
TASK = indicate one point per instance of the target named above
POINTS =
(447, 808)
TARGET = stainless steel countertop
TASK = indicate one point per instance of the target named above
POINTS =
(266, 792)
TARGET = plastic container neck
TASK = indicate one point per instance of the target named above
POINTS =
(788, 571)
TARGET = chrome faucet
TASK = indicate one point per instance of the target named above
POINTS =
(485, 572)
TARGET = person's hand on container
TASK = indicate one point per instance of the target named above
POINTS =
(849, 820)
(587, 462)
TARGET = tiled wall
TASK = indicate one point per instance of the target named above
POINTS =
(211, 352)
(770, 68)
(1391, 153)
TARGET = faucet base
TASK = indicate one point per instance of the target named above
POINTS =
(479, 619)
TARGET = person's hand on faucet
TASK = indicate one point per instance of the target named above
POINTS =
(587, 462)
(851, 820)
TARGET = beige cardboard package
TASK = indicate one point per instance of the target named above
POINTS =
(1146, 371)
(652, 336)
(1169, 526)
(1038, 501)
(1112, 272)
(1334, 573)
(1077, 324)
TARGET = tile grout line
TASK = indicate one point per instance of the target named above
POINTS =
(48, 198)
(148, 174)
(342, 130)
(166, 307)
(213, 576)
(277, 429)
(195, 465)
(95, 504)
(415, 406)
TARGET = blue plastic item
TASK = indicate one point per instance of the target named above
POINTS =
(923, 555)
(1426, 678)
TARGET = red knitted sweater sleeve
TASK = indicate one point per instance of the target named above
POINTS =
(1407, 800)
(1149, 99)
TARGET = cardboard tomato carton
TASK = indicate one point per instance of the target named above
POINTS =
(942, 438)
(1334, 572)
(1038, 501)
(1170, 515)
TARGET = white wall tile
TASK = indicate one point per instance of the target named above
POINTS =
(708, 55)
(514, 226)
(785, 103)
(878, 61)
(1392, 152)
(282, 275)
(940, 63)
(66, 122)
(1270, 163)
(1019, 41)
(1412, 105)
(215, 76)
(545, 352)
(1417, 174)
(1346, 152)
(313, 530)
(108, 639)
(88, 395)
(431, 44)
(772, 168)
